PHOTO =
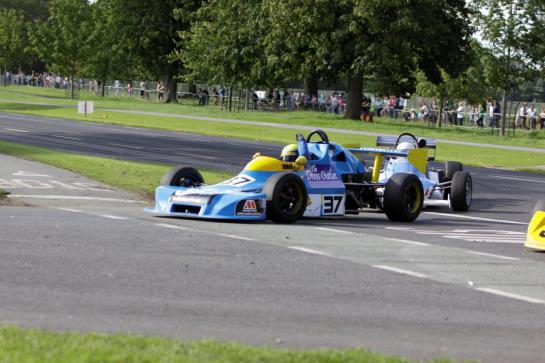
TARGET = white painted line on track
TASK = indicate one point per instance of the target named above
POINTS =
(519, 179)
(333, 230)
(109, 216)
(74, 197)
(475, 218)
(400, 271)
(171, 226)
(511, 295)
(409, 242)
(493, 255)
(236, 237)
(17, 130)
(196, 156)
(70, 210)
(126, 146)
(309, 250)
(66, 137)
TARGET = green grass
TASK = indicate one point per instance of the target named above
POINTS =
(35, 346)
(55, 96)
(136, 177)
(470, 155)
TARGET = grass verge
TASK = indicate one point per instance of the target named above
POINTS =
(136, 177)
(315, 119)
(469, 155)
(35, 346)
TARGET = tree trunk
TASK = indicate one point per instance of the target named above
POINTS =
(310, 86)
(102, 91)
(170, 89)
(441, 108)
(355, 95)
(248, 90)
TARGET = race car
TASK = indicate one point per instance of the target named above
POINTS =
(452, 186)
(535, 237)
(312, 179)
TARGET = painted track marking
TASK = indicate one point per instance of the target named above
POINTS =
(333, 230)
(109, 216)
(476, 218)
(309, 250)
(237, 237)
(74, 197)
(493, 255)
(71, 210)
(408, 242)
(511, 295)
(196, 156)
(519, 179)
(17, 130)
(171, 226)
(66, 137)
(400, 271)
(126, 146)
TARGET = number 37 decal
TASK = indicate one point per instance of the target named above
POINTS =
(333, 204)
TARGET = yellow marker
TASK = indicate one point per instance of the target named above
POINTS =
(535, 238)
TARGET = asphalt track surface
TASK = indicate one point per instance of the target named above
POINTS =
(85, 257)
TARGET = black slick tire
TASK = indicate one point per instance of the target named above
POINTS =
(287, 198)
(403, 197)
(182, 176)
(461, 191)
(451, 167)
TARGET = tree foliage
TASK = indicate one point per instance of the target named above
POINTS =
(13, 39)
(150, 35)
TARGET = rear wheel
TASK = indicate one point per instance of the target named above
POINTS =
(286, 198)
(182, 176)
(403, 197)
(451, 167)
(462, 191)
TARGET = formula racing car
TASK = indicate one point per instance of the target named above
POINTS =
(451, 186)
(312, 179)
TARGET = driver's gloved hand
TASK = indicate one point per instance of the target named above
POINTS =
(298, 137)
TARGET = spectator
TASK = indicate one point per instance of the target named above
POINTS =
(379, 106)
(216, 96)
(276, 96)
(482, 113)
(322, 103)
(366, 109)
(288, 100)
(314, 102)
(142, 89)
(521, 119)
(221, 95)
(460, 114)
(532, 117)
(116, 87)
(206, 96)
(542, 117)
(160, 91)
(129, 88)
(255, 99)
(496, 113)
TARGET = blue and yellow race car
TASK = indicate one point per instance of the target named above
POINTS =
(311, 179)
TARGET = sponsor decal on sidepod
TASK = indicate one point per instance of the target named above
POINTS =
(250, 207)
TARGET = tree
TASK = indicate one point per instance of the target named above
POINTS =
(29, 9)
(63, 41)
(150, 35)
(354, 39)
(505, 25)
(107, 57)
(13, 39)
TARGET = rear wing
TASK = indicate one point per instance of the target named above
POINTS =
(390, 142)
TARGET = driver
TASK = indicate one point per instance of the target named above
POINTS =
(289, 153)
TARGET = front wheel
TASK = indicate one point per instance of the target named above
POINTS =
(461, 191)
(403, 197)
(286, 198)
(182, 176)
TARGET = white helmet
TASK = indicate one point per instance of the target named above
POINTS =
(405, 146)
